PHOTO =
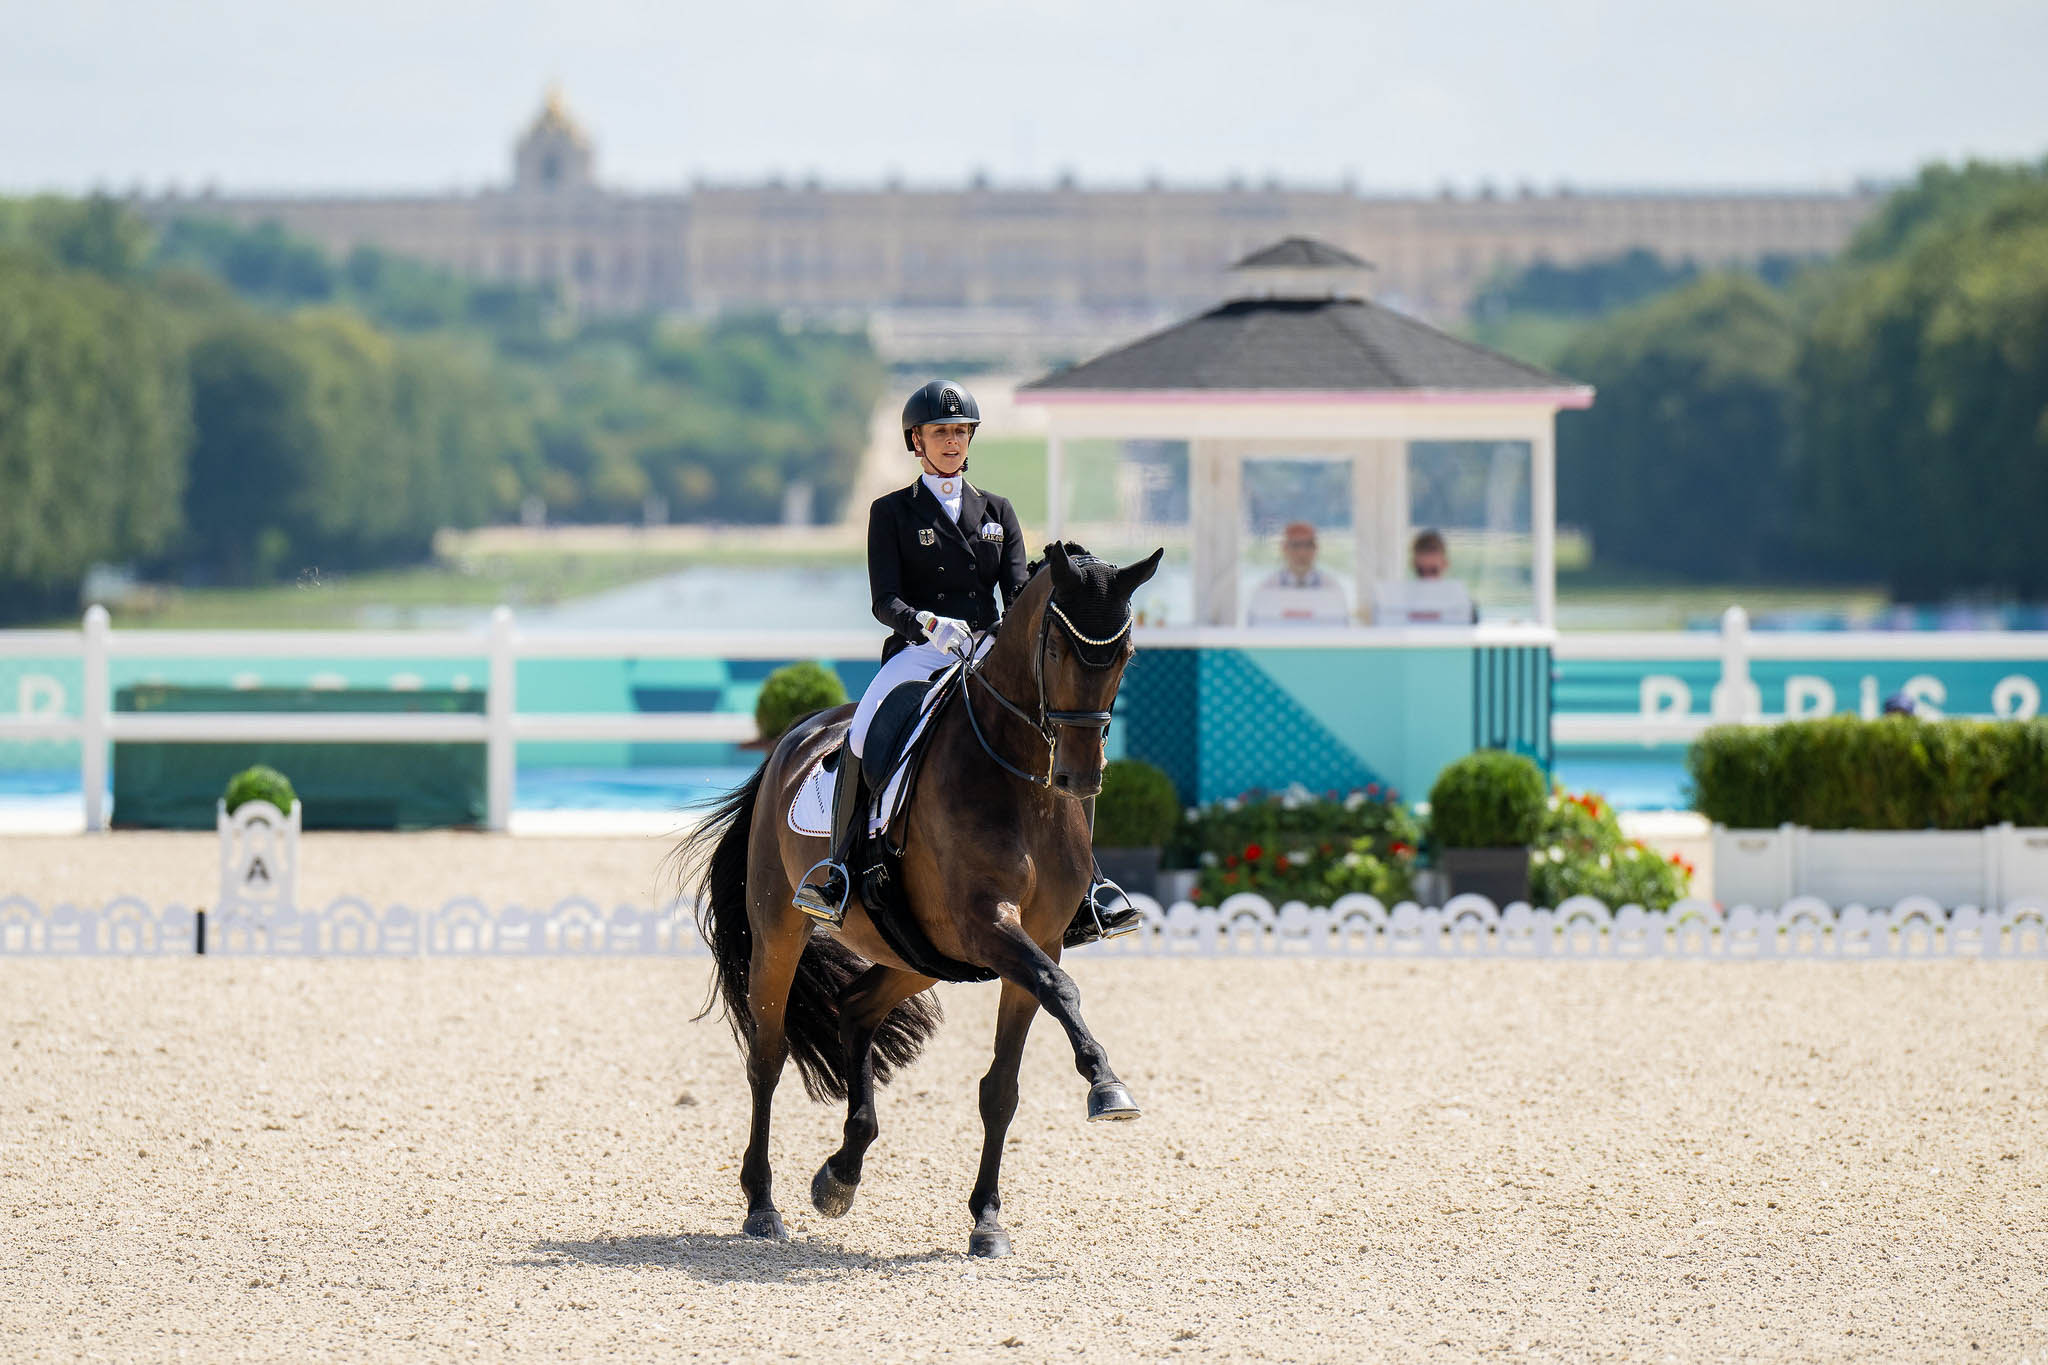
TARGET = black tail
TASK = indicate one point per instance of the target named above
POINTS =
(812, 1018)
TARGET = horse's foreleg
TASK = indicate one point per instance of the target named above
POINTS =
(1011, 954)
(998, 1106)
(863, 1005)
(770, 975)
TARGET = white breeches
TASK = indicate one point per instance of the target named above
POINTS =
(912, 663)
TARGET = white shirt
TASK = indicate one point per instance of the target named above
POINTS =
(1290, 599)
(947, 491)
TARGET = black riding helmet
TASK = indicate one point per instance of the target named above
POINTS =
(942, 400)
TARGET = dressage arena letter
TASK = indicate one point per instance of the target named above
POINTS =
(1807, 696)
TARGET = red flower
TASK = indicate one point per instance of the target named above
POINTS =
(1399, 848)
(1393, 795)
(1230, 860)
(1230, 879)
(1677, 861)
(1252, 853)
(1280, 863)
(1372, 789)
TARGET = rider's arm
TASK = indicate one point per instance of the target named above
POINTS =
(1012, 579)
(885, 575)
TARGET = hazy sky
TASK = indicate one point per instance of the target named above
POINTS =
(427, 94)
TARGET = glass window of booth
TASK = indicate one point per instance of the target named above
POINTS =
(1297, 556)
(1123, 499)
(1476, 496)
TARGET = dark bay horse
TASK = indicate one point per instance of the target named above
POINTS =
(996, 856)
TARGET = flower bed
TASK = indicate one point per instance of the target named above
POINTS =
(1581, 851)
(1295, 845)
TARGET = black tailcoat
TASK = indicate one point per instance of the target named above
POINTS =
(920, 559)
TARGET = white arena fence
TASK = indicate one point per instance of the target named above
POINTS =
(1582, 929)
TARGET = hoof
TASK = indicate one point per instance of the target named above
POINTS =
(766, 1223)
(988, 1242)
(830, 1195)
(1109, 1100)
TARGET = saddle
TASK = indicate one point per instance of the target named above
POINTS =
(890, 731)
(896, 743)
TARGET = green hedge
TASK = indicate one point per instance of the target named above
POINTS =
(1488, 799)
(1891, 773)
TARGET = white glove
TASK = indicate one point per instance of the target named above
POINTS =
(949, 633)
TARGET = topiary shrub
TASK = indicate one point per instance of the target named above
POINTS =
(1137, 808)
(792, 692)
(1488, 799)
(259, 784)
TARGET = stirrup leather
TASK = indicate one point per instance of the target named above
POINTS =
(814, 900)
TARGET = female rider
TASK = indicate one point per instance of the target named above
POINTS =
(939, 551)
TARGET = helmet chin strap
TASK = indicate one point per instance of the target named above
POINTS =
(926, 461)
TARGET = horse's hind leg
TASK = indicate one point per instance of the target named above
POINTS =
(998, 1107)
(770, 974)
(1011, 954)
(863, 1005)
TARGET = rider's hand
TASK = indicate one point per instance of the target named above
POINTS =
(949, 633)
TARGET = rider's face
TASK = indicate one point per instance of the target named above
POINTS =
(943, 445)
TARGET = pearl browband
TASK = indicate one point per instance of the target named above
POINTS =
(1122, 630)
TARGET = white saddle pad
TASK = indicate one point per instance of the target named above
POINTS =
(810, 810)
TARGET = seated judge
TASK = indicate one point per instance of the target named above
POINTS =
(1298, 593)
(1432, 597)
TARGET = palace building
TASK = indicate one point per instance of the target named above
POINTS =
(1055, 260)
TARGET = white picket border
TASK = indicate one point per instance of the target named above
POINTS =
(1357, 926)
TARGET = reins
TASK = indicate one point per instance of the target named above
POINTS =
(1047, 720)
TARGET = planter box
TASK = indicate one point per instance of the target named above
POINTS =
(1981, 867)
(1136, 870)
(1499, 874)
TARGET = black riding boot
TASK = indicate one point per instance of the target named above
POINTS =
(827, 885)
(1105, 910)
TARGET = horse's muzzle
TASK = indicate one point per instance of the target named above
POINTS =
(1076, 785)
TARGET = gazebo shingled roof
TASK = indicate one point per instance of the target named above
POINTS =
(1300, 251)
(1339, 344)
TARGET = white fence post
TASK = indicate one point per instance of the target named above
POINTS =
(94, 703)
(1736, 698)
(500, 705)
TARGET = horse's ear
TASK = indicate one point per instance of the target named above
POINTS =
(1064, 574)
(1134, 576)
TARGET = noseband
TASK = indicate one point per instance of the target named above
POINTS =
(1046, 720)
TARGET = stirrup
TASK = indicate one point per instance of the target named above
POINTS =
(1114, 911)
(1105, 912)
(815, 900)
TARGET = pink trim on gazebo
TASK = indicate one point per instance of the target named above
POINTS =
(1577, 397)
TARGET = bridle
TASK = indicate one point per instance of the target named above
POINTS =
(1046, 720)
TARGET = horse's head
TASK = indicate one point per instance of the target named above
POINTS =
(1083, 642)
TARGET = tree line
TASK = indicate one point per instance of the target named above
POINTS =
(221, 404)
(1882, 417)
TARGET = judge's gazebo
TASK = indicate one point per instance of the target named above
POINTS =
(1301, 411)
